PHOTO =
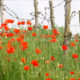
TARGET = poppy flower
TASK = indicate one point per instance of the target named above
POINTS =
(45, 27)
(23, 45)
(35, 63)
(16, 31)
(60, 66)
(18, 23)
(72, 72)
(29, 22)
(76, 40)
(9, 34)
(30, 28)
(19, 39)
(72, 79)
(33, 34)
(38, 51)
(64, 47)
(47, 61)
(10, 50)
(46, 74)
(53, 40)
(48, 79)
(78, 78)
(23, 60)
(26, 68)
(23, 22)
(52, 58)
(73, 44)
(75, 56)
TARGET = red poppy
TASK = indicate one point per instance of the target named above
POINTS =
(78, 78)
(48, 79)
(23, 60)
(16, 31)
(73, 44)
(10, 50)
(52, 58)
(71, 72)
(53, 40)
(47, 74)
(64, 47)
(30, 28)
(19, 39)
(75, 56)
(9, 34)
(33, 34)
(23, 45)
(45, 27)
(23, 22)
(29, 22)
(38, 51)
(9, 21)
(26, 68)
(35, 63)
(18, 23)
(72, 79)
(76, 40)
(60, 66)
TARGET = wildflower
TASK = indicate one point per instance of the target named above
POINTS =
(26, 68)
(10, 50)
(23, 60)
(60, 66)
(35, 63)
(75, 56)
(47, 61)
(73, 44)
(72, 79)
(23, 45)
(48, 79)
(16, 31)
(29, 23)
(52, 58)
(23, 22)
(47, 74)
(38, 51)
(33, 34)
(45, 27)
(64, 47)
(30, 28)
(76, 40)
(72, 72)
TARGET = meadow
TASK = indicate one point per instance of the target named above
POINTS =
(27, 54)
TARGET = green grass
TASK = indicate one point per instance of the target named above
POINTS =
(14, 70)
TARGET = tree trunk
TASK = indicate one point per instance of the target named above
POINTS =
(79, 17)
(67, 33)
(51, 13)
(2, 11)
(36, 13)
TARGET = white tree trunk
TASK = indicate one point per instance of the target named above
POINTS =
(51, 13)
(36, 13)
(67, 33)
(2, 11)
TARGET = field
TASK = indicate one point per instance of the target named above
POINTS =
(38, 55)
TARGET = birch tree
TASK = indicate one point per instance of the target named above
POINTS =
(51, 13)
(67, 32)
(36, 13)
(2, 10)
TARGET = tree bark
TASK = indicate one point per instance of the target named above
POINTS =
(79, 17)
(51, 13)
(67, 33)
(2, 11)
(36, 13)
